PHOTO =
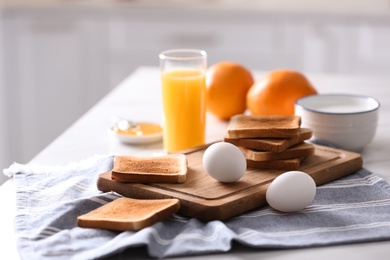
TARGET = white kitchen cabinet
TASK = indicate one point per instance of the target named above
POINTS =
(55, 69)
(367, 50)
(257, 41)
(356, 45)
(323, 43)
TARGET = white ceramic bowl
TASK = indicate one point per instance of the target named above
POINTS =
(134, 139)
(345, 121)
(155, 136)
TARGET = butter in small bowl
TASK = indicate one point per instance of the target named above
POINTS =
(137, 133)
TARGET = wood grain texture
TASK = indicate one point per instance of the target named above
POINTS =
(206, 199)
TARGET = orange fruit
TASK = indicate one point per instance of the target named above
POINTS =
(227, 86)
(276, 93)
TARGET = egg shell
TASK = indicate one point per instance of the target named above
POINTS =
(224, 162)
(291, 191)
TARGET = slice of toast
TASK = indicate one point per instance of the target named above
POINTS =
(301, 150)
(169, 169)
(286, 165)
(275, 145)
(129, 214)
(251, 126)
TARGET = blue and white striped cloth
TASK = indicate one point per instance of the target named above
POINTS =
(353, 209)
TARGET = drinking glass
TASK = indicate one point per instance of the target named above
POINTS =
(184, 98)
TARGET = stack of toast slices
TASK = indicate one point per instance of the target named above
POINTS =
(270, 142)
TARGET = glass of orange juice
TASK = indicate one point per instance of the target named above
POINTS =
(184, 98)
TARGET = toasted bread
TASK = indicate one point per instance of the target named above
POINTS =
(275, 145)
(129, 214)
(169, 168)
(301, 150)
(286, 165)
(251, 126)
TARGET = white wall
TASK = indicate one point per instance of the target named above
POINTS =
(4, 155)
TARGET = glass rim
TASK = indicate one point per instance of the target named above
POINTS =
(182, 54)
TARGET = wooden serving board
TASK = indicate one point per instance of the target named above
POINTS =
(206, 199)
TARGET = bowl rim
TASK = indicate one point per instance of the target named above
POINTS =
(136, 139)
(297, 103)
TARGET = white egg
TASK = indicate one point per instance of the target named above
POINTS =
(291, 191)
(224, 162)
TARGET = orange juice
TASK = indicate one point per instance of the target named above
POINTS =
(183, 92)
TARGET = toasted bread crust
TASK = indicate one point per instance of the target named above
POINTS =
(301, 150)
(169, 168)
(244, 126)
(129, 214)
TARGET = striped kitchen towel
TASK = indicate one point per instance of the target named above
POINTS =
(49, 199)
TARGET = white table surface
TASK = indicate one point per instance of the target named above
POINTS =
(138, 98)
